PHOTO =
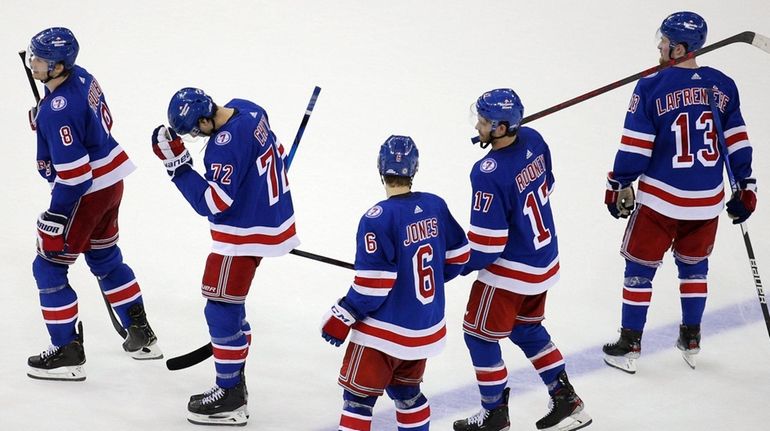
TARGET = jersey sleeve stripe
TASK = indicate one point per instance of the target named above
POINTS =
(484, 240)
(371, 291)
(737, 138)
(374, 283)
(217, 199)
(458, 256)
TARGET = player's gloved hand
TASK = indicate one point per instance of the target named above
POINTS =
(620, 200)
(336, 323)
(169, 147)
(32, 115)
(50, 231)
(743, 202)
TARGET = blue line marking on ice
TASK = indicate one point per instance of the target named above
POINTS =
(522, 380)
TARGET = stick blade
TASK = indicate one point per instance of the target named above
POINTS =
(188, 360)
(761, 42)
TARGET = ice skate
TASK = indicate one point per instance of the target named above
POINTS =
(689, 343)
(219, 406)
(487, 420)
(141, 342)
(60, 362)
(623, 353)
(567, 409)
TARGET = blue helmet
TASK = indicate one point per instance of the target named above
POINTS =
(398, 157)
(186, 107)
(501, 105)
(686, 28)
(55, 45)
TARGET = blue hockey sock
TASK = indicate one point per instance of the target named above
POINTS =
(535, 341)
(116, 279)
(693, 290)
(491, 374)
(58, 301)
(228, 341)
(637, 294)
(356, 412)
(412, 408)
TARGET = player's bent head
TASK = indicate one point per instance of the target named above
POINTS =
(398, 157)
(187, 108)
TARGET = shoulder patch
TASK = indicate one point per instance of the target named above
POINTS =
(58, 103)
(222, 138)
(488, 165)
(374, 212)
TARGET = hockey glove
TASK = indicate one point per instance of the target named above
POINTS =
(50, 231)
(336, 323)
(168, 146)
(32, 115)
(743, 202)
(620, 200)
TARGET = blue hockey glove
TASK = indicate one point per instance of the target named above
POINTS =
(336, 323)
(620, 200)
(743, 202)
(50, 232)
(168, 146)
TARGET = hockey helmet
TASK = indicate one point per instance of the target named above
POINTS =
(398, 157)
(686, 28)
(186, 107)
(499, 106)
(54, 45)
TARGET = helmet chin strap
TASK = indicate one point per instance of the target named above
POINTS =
(482, 144)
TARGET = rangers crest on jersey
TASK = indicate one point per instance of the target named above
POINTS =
(58, 103)
(222, 138)
(374, 212)
(488, 165)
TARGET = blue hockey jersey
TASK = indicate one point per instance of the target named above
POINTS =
(245, 192)
(670, 142)
(512, 234)
(408, 246)
(76, 152)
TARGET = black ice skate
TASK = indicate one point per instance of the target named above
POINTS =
(219, 406)
(487, 420)
(141, 342)
(567, 410)
(689, 343)
(60, 362)
(623, 353)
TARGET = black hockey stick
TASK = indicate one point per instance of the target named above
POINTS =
(744, 229)
(35, 92)
(202, 353)
(749, 37)
(302, 125)
(115, 323)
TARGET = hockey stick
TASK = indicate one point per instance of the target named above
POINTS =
(115, 323)
(323, 259)
(744, 229)
(302, 125)
(35, 92)
(749, 37)
(202, 353)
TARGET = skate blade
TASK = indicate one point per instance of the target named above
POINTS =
(147, 353)
(64, 374)
(622, 363)
(237, 417)
(574, 422)
(689, 357)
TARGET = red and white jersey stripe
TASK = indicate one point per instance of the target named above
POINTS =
(402, 343)
(217, 199)
(680, 204)
(737, 138)
(110, 169)
(458, 256)
(636, 142)
(519, 277)
(487, 240)
(374, 283)
(254, 241)
(73, 173)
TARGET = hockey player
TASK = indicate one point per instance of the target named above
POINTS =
(514, 249)
(245, 195)
(408, 246)
(670, 145)
(84, 166)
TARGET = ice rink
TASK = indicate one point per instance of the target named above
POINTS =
(392, 67)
